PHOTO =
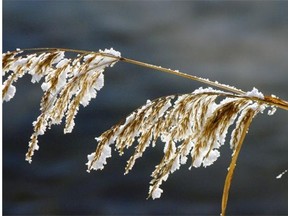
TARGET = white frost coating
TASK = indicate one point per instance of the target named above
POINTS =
(90, 159)
(183, 159)
(59, 57)
(262, 107)
(87, 57)
(111, 51)
(197, 162)
(100, 82)
(99, 164)
(34, 69)
(45, 86)
(188, 148)
(212, 157)
(221, 137)
(205, 90)
(10, 93)
(42, 127)
(256, 107)
(164, 109)
(87, 97)
(272, 111)
(255, 93)
(92, 91)
(35, 146)
(95, 69)
(175, 165)
(98, 64)
(62, 79)
(19, 63)
(91, 156)
(127, 121)
(62, 63)
(110, 60)
(95, 63)
(281, 174)
(36, 77)
(156, 193)
(71, 126)
(168, 143)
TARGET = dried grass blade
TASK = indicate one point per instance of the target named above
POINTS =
(246, 123)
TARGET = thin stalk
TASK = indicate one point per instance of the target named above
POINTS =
(158, 68)
(181, 74)
(232, 166)
(61, 49)
(268, 99)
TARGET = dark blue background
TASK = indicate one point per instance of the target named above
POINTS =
(239, 43)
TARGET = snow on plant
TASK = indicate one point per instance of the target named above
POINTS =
(192, 126)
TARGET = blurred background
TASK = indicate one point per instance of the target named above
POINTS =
(244, 44)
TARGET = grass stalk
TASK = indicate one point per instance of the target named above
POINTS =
(232, 166)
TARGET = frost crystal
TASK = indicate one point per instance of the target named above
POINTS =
(214, 154)
(255, 93)
(156, 193)
(10, 93)
(111, 51)
(272, 111)
(99, 164)
(176, 164)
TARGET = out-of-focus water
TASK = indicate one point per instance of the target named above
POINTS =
(239, 43)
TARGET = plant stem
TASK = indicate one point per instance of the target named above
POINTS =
(268, 99)
(273, 101)
(232, 166)
(181, 74)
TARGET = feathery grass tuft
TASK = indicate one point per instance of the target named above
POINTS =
(192, 126)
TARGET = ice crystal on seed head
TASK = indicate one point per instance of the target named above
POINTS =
(272, 111)
(255, 93)
(156, 193)
(112, 52)
(10, 93)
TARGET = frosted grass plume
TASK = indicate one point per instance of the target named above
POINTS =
(191, 126)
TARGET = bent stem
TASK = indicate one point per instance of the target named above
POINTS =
(232, 166)
(151, 66)
(187, 76)
(268, 99)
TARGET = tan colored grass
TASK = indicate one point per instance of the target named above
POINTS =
(192, 126)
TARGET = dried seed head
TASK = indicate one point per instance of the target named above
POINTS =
(68, 83)
(192, 124)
